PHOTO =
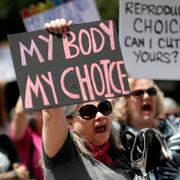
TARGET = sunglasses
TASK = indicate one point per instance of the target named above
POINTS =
(89, 111)
(139, 93)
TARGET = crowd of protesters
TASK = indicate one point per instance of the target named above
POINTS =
(96, 140)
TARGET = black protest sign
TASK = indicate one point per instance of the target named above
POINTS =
(83, 64)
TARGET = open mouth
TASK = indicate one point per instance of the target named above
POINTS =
(100, 129)
(147, 107)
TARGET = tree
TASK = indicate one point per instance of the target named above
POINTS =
(11, 21)
(108, 9)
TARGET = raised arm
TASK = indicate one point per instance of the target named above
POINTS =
(55, 127)
(19, 120)
(54, 130)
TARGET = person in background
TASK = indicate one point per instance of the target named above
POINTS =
(10, 166)
(25, 131)
(142, 109)
(8, 96)
(170, 106)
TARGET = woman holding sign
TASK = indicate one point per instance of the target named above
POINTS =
(77, 140)
(87, 150)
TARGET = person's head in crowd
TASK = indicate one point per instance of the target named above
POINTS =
(91, 121)
(143, 107)
(170, 106)
(8, 96)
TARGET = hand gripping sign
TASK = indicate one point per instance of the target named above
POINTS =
(83, 64)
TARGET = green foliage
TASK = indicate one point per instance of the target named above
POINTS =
(4, 9)
(26, 3)
(108, 9)
(11, 22)
(8, 6)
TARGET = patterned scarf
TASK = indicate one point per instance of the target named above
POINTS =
(100, 152)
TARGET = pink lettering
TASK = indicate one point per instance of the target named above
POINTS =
(110, 32)
(94, 44)
(93, 66)
(72, 48)
(111, 67)
(35, 88)
(81, 32)
(121, 76)
(50, 45)
(67, 44)
(33, 48)
(49, 81)
(97, 80)
(105, 63)
(86, 80)
(64, 74)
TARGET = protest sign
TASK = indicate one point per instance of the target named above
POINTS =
(150, 38)
(83, 64)
(77, 10)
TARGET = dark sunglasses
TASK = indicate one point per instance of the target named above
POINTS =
(139, 93)
(89, 111)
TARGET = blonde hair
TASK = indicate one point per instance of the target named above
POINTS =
(120, 111)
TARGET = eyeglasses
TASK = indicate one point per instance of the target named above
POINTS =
(89, 111)
(139, 93)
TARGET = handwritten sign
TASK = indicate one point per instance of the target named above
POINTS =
(84, 64)
(77, 10)
(150, 38)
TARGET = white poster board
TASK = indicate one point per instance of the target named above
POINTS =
(77, 10)
(6, 68)
(150, 38)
